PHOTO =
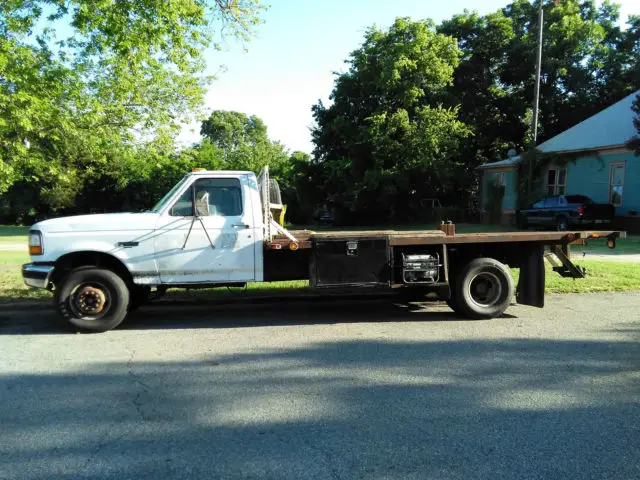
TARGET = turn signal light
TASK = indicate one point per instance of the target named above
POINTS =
(293, 246)
(35, 243)
(198, 170)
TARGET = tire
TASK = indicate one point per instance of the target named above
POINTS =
(92, 299)
(455, 306)
(484, 289)
(562, 224)
(138, 296)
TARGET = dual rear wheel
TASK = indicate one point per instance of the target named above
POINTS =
(483, 289)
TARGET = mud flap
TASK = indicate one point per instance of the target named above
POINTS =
(530, 290)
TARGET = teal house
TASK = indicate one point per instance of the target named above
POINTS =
(601, 166)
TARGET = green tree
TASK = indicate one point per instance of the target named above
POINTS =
(384, 141)
(78, 96)
(230, 130)
(242, 142)
(588, 63)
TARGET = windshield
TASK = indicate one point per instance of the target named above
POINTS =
(160, 205)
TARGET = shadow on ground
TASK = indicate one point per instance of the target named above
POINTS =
(348, 409)
(176, 315)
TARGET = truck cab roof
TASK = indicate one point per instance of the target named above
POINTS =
(221, 172)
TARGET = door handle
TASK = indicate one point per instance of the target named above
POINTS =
(240, 225)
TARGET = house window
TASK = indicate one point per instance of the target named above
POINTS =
(499, 179)
(616, 183)
(556, 181)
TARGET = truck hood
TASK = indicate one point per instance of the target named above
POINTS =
(99, 222)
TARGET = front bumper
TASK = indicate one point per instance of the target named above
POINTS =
(37, 274)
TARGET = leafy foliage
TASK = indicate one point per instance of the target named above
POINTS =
(539, 163)
(92, 92)
(588, 63)
(486, 83)
(86, 83)
(384, 137)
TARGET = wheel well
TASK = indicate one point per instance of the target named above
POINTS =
(74, 260)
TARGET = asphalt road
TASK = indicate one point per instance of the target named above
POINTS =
(326, 391)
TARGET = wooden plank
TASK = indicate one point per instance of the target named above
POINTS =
(436, 237)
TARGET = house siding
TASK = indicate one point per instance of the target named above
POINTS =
(590, 176)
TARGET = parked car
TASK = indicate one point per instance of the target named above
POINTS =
(564, 211)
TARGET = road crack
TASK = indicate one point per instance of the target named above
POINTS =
(137, 379)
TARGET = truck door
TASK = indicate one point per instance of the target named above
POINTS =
(217, 245)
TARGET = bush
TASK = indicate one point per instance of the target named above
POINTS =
(442, 214)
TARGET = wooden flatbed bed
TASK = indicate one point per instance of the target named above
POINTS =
(397, 238)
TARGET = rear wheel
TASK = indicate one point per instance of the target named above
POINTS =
(92, 299)
(455, 306)
(484, 289)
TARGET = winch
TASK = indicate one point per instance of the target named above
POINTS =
(421, 268)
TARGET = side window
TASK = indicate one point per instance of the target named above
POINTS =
(222, 196)
(539, 204)
(551, 202)
(182, 208)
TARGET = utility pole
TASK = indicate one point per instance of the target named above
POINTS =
(536, 92)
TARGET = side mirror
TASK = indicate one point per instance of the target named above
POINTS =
(201, 204)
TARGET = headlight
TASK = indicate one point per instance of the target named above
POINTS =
(36, 247)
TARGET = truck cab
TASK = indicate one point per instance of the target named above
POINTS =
(168, 244)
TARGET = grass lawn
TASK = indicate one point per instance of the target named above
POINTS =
(602, 276)
(11, 234)
(12, 288)
(629, 245)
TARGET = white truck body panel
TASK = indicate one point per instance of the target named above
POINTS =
(152, 244)
(213, 248)
(103, 233)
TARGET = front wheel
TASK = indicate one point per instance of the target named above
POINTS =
(92, 299)
(484, 289)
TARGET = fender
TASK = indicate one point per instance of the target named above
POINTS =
(135, 254)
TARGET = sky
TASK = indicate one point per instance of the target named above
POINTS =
(290, 62)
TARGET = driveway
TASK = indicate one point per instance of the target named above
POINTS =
(326, 391)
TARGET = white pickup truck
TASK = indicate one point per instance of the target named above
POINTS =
(216, 228)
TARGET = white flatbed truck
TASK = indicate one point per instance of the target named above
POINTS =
(217, 228)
